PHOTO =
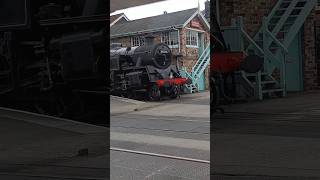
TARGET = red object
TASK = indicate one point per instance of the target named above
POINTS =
(174, 81)
(226, 62)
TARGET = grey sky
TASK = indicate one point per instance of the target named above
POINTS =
(158, 8)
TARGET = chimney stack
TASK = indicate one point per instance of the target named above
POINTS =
(207, 10)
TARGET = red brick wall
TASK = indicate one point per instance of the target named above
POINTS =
(310, 65)
(253, 11)
(190, 55)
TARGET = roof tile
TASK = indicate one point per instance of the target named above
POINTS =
(151, 23)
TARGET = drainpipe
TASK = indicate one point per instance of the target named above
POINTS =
(174, 28)
(178, 37)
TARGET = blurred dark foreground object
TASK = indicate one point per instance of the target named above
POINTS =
(52, 50)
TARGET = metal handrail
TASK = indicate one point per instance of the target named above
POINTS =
(251, 40)
(203, 55)
(277, 41)
(202, 65)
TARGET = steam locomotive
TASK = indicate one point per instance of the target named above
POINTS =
(52, 54)
(144, 72)
(223, 67)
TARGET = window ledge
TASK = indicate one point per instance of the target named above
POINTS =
(173, 46)
(191, 46)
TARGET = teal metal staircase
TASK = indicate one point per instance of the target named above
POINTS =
(197, 71)
(272, 41)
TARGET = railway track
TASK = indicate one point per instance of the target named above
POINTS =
(160, 155)
(90, 117)
(40, 171)
(251, 116)
(151, 124)
(288, 124)
(161, 124)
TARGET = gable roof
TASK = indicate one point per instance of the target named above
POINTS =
(123, 4)
(115, 18)
(155, 23)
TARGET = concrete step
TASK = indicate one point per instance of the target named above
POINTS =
(266, 82)
(272, 90)
(254, 74)
(4, 90)
(5, 73)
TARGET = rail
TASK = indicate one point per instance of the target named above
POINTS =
(160, 155)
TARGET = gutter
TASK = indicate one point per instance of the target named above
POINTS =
(146, 31)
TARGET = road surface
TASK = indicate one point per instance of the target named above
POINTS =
(164, 140)
(273, 139)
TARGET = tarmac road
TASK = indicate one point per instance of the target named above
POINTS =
(34, 146)
(164, 140)
(273, 139)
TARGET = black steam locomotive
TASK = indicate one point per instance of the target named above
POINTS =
(52, 54)
(144, 72)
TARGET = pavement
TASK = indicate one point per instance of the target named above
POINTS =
(165, 140)
(189, 105)
(272, 139)
(36, 147)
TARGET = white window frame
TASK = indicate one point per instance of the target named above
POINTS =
(137, 41)
(194, 34)
(170, 35)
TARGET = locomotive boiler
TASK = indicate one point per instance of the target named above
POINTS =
(52, 54)
(144, 71)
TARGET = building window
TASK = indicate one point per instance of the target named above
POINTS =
(137, 41)
(192, 38)
(170, 38)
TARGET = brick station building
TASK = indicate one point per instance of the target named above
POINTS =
(185, 32)
(253, 12)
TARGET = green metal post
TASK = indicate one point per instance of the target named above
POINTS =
(240, 27)
(265, 43)
(283, 64)
(258, 86)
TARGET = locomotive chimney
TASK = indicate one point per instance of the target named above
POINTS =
(207, 9)
(149, 40)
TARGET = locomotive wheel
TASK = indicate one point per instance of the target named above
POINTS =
(53, 105)
(154, 93)
(214, 96)
(175, 91)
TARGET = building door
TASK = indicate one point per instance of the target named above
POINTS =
(294, 75)
(201, 81)
(200, 43)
